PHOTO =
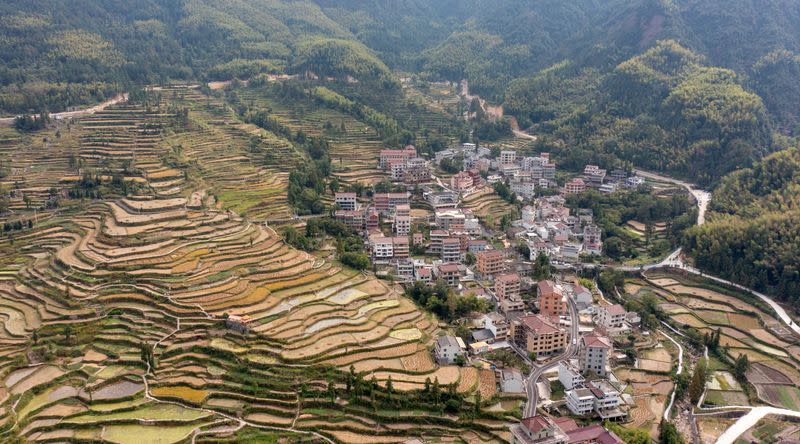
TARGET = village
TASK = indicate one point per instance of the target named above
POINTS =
(558, 328)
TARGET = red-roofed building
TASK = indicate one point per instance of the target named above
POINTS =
(594, 352)
(551, 299)
(449, 273)
(537, 430)
(507, 286)
(387, 157)
(539, 334)
(593, 434)
(489, 262)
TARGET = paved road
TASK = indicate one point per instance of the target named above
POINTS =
(571, 351)
(680, 365)
(749, 420)
(119, 98)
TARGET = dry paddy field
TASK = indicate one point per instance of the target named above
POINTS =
(114, 316)
(744, 328)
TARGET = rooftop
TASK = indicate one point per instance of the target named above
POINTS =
(540, 324)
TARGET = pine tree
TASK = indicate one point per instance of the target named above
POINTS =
(698, 382)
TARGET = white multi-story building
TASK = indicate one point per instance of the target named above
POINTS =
(448, 348)
(401, 225)
(594, 352)
(497, 324)
(346, 201)
(508, 157)
(524, 188)
(612, 316)
(569, 376)
(382, 248)
(580, 401)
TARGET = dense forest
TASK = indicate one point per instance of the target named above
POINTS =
(753, 233)
(663, 110)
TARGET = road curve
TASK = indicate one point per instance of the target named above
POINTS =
(119, 98)
(572, 349)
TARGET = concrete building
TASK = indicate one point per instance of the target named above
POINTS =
(580, 401)
(539, 334)
(387, 157)
(346, 201)
(507, 285)
(592, 242)
(450, 273)
(451, 250)
(353, 219)
(508, 157)
(401, 225)
(551, 299)
(569, 376)
(489, 262)
(400, 247)
(611, 316)
(382, 248)
(437, 237)
(448, 348)
(594, 352)
(575, 186)
(416, 170)
(386, 202)
(497, 324)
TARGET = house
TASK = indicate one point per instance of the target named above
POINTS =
(346, 201)
(452, 219)
(575, 186)
(405, 268)
(387, 157)
(450, 273)
(489, 262)
(537, 430)
(447, 349)
(477, 245)
(611, 316)
(594, 352)
(569, 375)
(570, 251)
(507, 285)
(592, 434)
(580, 401)
(461, 181)
(442, 199)
(583, 296)
(423, 274)
(634, 182)
(592, 242)
(497, 324)
(511, 381)
(237, 323)
(524, 188)
(539, 334)
(508, 157)
(451, 249)
(551, 299)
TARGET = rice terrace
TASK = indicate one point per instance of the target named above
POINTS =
(410, 222)
(115, 311)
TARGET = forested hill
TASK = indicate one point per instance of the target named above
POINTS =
(62, 52)
(753, 233)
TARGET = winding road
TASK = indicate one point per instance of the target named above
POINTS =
(571, 351)
(119, 98)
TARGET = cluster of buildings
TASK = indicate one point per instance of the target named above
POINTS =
(405, 166)
(549, 228)
(599, 179)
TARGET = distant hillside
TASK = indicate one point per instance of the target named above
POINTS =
(664, 110)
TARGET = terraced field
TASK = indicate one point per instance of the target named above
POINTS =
(745, 329)
(355, 145)
(487, 206)
(165, 317)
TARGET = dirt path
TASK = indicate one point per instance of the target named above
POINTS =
(119, 98)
